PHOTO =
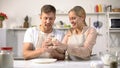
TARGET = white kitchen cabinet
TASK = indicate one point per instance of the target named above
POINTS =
(113, 33)
(8, 38)
(13, 38)
(2, 37)
(19, 33)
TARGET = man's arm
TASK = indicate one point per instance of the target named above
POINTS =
(29, 52)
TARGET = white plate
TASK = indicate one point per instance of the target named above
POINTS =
(44, 60)
(18, 58)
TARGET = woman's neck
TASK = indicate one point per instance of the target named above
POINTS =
(79, 30)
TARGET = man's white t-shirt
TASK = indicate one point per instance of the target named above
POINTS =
(31, 35)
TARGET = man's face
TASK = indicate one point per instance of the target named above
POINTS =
(47, 20)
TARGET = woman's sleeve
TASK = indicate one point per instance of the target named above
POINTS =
(86, 50)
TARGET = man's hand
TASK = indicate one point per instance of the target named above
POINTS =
(47, 42)
(56, 53)
(56, 42)
(55, 48)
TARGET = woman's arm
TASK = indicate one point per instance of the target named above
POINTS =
(65, 39)
(85, 51)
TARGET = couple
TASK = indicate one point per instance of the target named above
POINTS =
(45, 42)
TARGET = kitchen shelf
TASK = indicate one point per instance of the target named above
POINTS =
(96, 13)
(18, 29)
(113, 12)
(114, 30)
(61, 28)
(23, 29)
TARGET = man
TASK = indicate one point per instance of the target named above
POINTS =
(39, 41)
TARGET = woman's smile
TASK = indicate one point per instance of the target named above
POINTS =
(73, 24)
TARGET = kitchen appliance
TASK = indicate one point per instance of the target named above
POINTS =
(114, 22)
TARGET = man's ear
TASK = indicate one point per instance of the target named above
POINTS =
(40, 16)
(55, 17)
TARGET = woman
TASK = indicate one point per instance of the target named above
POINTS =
(80, 39)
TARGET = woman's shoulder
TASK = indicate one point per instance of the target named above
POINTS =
(69, 32)
(91, 29)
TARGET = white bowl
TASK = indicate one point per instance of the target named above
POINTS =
(108, 58)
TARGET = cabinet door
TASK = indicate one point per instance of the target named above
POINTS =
(20, 37)
(11, 40)
(2, 37)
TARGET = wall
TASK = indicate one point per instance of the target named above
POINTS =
(18, 9)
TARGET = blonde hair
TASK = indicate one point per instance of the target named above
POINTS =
(79, 11)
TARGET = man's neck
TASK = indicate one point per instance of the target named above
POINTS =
(45, 30)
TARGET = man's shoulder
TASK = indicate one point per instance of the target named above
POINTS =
(32, 29)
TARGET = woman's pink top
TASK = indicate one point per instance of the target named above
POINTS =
(80, 45)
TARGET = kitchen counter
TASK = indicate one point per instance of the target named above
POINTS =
(57, 64)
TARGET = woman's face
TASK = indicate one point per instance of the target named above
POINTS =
(76, 21)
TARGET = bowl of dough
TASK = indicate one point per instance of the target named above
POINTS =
(108, 58)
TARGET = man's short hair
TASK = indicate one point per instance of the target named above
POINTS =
(48, 9)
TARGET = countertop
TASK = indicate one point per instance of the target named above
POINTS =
(57, 64)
